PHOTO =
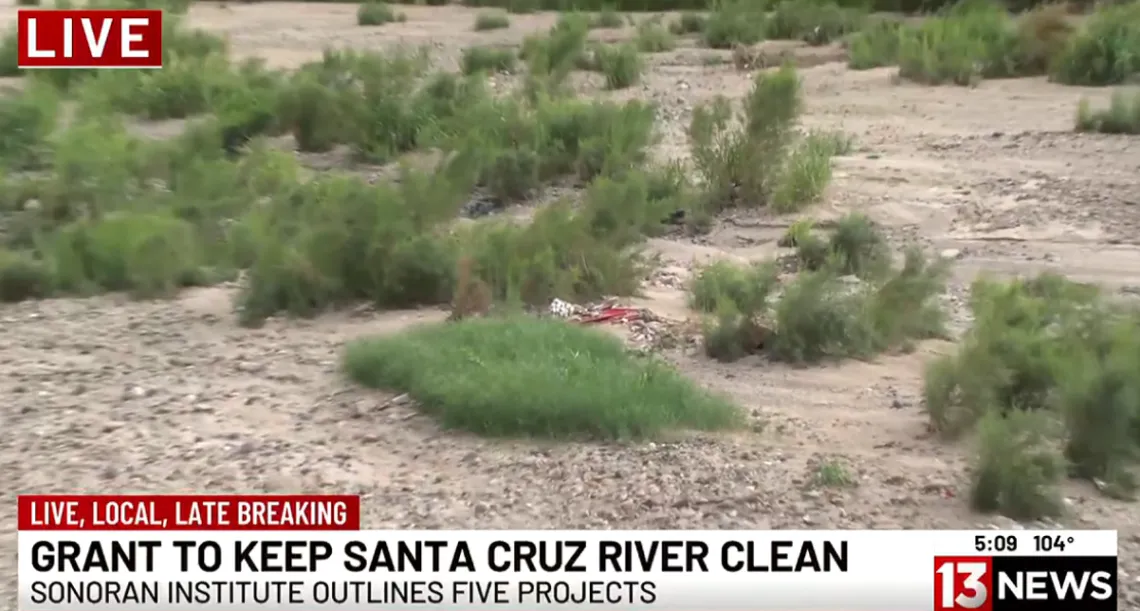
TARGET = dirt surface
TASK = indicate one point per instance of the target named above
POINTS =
(107, 394)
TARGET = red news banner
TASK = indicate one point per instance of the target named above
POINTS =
(89, 38)
(197, 512)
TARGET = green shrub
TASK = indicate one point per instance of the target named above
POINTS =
(620, 64)
(1121, 117)
(875, 46)
(22, 277)
(377, 13)
(759, 164)
(745, 288)
(973, 40)
(553, 56)
(315, 113)
(822, 315)
(1104, 51)
(1059, 349)
(487, 59)
(1016, 469)
(491, 20)
(27, 119)
(608, 18)
(9, 54)
(652, 37)
(688, 23)
(538, 378)
(734, 22)
(816, 22)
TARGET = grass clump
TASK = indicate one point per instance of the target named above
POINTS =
(521, 376)
(1055, 351)
(1121, 117)
(621, 65)
(816, 22)
(973, 40)
(653, 37)
(734, 23)
(745, 287)
(755, 158)
(608, 18)
(1104, 51)
(487, 59)
(1017, 468)
(377, 13)
(688, 23)
(491, 20)
(875, 46)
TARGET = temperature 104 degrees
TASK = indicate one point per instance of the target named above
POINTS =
(1042, 544)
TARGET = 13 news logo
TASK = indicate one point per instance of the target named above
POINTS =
(1038, 583)
(89, 38)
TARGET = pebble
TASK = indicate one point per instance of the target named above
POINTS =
(950, 254)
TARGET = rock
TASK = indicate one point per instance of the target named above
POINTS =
(807, 520)
(951, 254)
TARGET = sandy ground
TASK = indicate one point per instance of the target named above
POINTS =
(110, 395)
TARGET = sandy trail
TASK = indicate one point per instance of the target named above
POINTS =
(108, 394)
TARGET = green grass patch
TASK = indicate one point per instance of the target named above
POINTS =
(654, 37)
(621, 65)
(688, 23)
(1121, 117)
(516, 377)
(733, 23)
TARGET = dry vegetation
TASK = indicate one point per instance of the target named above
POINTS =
(1046, 380)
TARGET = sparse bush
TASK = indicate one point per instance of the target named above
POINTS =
(975, 39)
(376, 13)
(26, 121)
(1055, 348)
(745, 288)
(755, 163)
(688, 23)
(491, 20)
(551, 379)
(1017, 468)
(607, 19)
(1121, 117)
(816, 22)
(875, 46)
(553, 56)
(1104, 51)
(22, 277)
(487, 59)
(315, 113)
(652, 37)
(9, 54)
(620, 64)
(734, 22)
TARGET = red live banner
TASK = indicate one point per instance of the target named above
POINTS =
(89, 38)
(189, 512)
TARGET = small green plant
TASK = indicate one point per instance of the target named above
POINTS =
(372, 13)
(833, 474)
(975, 39)
(620, 64)
(487, 59)
(1121, 117)
(9, 54)
(806, 173)
(491, 20)
(521, 376)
